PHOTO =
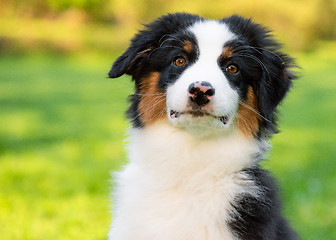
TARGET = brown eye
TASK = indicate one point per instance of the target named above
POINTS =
(180, 62)
(232, 69)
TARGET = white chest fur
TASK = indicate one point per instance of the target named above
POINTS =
(179, 187)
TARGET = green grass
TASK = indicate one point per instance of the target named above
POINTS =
(304, 153)
(61, 133)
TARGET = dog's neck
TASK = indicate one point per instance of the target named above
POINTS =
(165, 146)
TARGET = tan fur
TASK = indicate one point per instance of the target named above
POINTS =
(227, 52)
(152, 105)
(188, 46)
(247, 120)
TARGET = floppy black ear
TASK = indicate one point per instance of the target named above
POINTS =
(147, 40)
(275, 82)
(276, 77)
(128, 62)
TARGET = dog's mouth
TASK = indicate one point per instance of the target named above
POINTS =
(198, 114)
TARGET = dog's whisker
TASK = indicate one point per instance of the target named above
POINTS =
(254, 110)
(271, 52)
(160, 114)
(171, 37)
(154, 102)
(150, 94)
(159, 48)
(258, 61)
(247, 47)
(257, 49)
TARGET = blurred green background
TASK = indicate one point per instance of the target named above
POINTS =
(62, 121)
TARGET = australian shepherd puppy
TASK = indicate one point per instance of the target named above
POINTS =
(203, 110)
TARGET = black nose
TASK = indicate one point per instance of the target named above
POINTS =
(201, 92)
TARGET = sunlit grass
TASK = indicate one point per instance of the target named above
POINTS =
(62, 131)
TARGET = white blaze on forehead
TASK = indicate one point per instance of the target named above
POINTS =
(211, 37)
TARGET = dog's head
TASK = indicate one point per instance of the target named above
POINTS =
(206, 75)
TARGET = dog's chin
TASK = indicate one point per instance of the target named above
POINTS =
(200, 122)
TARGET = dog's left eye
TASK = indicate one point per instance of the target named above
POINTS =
(180, 62)
(232, 69)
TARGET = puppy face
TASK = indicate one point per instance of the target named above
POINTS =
(201, 96)
(205, 75)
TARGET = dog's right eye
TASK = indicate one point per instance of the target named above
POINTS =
(180, 62)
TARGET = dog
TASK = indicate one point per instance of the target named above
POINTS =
(202, 113)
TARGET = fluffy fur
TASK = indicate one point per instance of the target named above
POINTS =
(203, 109)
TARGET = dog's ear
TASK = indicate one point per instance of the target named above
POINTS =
(276, 77)
(130, 60)
(146, 41)
(275, 82)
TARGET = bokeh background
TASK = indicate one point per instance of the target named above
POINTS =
(62, 120)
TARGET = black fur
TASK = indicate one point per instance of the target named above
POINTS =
(259, 218)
